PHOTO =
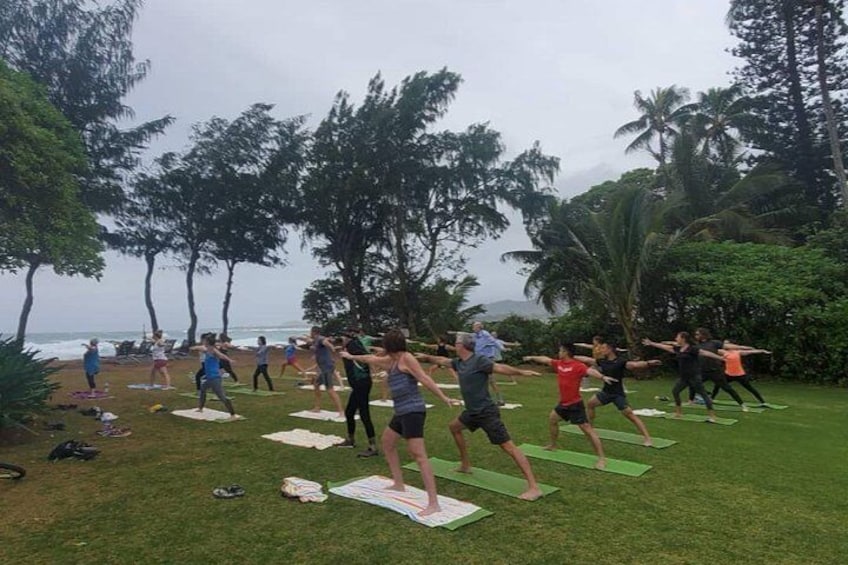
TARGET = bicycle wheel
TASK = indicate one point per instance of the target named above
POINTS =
(12, 472)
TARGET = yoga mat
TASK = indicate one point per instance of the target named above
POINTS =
(766, 405)
(305, 438)
(481, 478)
(251, 392)
(624, 437)
(372, 490)
(390, 404)
(144, 386)
(585, 460)
(650, 413)
(84, 394)
(324, 415)
(722, 408)
(445, 386)
(207, 415)
(225, 381)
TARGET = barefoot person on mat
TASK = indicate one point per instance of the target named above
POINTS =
(212, 365)
(474, 372)
(571, 408)
(404, 374)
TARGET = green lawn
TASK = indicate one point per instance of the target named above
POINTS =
(771, 489)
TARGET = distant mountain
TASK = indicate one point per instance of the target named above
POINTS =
(503, 308)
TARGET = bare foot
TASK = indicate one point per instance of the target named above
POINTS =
(198, 410)
(530, 494)
(601, 464)
(314, 409)
(342, 416)
(463, 469)
(432, 509)
(399, 487)
(648, 442)
(550, 447)
(677, 415)
(233, 418)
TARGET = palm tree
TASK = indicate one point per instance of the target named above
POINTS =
(717, 118)
(583, 257)
(661, 115)
(707, 201)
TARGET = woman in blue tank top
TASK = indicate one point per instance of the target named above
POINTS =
(408, 421)
(212, 368)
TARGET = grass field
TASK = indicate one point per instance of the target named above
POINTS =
(771, 489)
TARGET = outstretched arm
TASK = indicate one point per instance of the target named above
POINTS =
(710, 355)
(663, 346)
(410, 364)
(598, 375)
(503, 369)
(538, 359)
(590, 361)
(433, 359)
(584, 345)
(744, 352)
(636, 365)
(730, 345)
(384, 362)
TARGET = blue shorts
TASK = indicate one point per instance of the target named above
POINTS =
(620, 400)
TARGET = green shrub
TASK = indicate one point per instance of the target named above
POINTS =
(24, 383)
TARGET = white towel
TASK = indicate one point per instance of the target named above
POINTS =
(410, 502)
(336, 388)
(302, 489)
(324, 415)
(208, 414)
(305, 438)
(648, 412)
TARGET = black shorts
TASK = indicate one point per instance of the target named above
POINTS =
(408, 426)
(489, 420)
(620, 400)
(574, 413)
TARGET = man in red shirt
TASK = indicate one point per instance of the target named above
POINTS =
(571, 407)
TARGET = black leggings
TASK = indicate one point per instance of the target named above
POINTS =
(218, 388)
(225, 366)
(720, 383)
(90, 378)
(358, 400)
(263, 370)
(695, 384)
(198, 376)
(745, 381)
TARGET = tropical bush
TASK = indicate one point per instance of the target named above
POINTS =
(24, 382)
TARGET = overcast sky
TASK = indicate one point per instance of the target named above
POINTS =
(562, 72)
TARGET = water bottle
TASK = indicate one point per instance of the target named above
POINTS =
(106, 387)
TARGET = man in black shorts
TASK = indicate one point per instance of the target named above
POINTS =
(474, 372)
(611, 365)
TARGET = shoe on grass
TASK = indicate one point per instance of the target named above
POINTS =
(370, 452)
(346, 443)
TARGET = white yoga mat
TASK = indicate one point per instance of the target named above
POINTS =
(390, 404)
(409, 503)
(207, 415)
(324, 415)
(336, 388)
(305, 438)
(144, 386)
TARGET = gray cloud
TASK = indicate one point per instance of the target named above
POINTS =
(561, 72)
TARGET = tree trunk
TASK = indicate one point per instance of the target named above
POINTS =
(192, 328)
(225, 315)
(150, 259)
(830, 116)
(27, 307)
(803, 131)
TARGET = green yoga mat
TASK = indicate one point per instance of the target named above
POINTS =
(693, 418)
(624, 437)
(766, 405)
(722, 408)
(585, 460)
(251, 392)
(481, 478)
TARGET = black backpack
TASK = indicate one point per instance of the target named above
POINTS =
(73, 448)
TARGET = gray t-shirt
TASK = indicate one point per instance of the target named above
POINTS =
(474, 375)
(323, 355)
(262, 355)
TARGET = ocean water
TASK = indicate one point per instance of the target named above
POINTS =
(68, 345)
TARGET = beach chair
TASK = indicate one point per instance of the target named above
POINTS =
(123, 353)
(142, 351)
(182, 351)
(169, 346)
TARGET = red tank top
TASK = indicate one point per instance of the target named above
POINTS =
(733, 364)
